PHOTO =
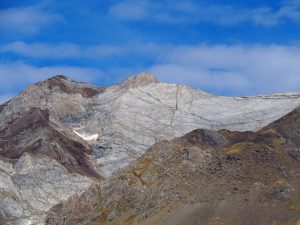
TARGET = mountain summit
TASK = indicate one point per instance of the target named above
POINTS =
(142, 79)
(61, 141)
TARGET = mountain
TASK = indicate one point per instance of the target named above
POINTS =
(67, 150)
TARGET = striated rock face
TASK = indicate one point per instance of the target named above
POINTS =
(39, 167)
(60, 138)
(32, 132)
(32, 185)
(208, 177)
(120, 122)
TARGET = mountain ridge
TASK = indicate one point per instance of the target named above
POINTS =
(96, 131)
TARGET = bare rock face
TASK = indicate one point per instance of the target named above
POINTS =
(32, 132)
(40, 167)
(142, 79)
(59, 138)
(208, 177)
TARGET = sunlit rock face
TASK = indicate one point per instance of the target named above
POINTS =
(205, 177)
(63, 135)
(32, 186)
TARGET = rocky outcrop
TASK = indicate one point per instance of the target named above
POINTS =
(32, 132)
(30, 186)
(40, 166)
(142, 79)
(63, 135)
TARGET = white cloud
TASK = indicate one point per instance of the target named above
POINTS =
(42, 50)
(221, 69)
(235, 70)
(175, 12)
(168, 12)
(131, 10)
(69, 50)
(16, 75)
(27, 20)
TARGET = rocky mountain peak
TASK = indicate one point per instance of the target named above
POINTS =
(141, 79)
(60, 77)
(64, 84)
(58, 137)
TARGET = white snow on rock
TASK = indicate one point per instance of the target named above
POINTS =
(87, 137)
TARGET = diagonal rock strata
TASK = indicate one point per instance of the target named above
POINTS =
(207, 177)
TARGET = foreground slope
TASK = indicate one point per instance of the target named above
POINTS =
(60, 138)
(204, 178)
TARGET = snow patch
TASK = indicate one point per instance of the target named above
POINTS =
(87, 137)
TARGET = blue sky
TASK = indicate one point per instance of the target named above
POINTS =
(224, 47)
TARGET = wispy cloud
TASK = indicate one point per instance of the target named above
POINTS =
(232, 70)
(42, 50)
(163, 12)
(266, 16)
(174, 12)
(131, 10)
(220, 69)
(27, 20)
(69, 50)
(14, 76)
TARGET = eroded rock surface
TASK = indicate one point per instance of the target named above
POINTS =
(206, 178)
(63, 135)
(30, 186)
